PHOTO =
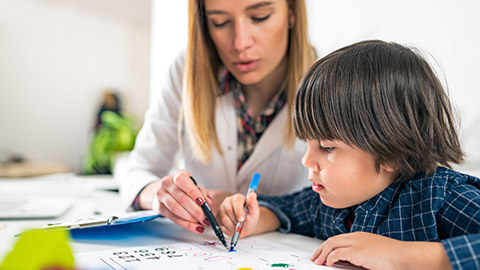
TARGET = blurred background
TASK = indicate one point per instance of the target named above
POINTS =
(61, 61)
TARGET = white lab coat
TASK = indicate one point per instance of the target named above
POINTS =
(153, 156)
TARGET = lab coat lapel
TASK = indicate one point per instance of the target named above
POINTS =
(226, 125)
(270, 140)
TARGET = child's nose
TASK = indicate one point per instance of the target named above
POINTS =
(309, 162)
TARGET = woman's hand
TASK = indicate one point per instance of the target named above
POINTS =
(374, 251)
(177, 198)
(232, 210)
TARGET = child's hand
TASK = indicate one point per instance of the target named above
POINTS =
(363, 249)
(373, 251)
(232, 210)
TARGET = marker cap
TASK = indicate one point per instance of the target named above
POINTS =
(254, 182)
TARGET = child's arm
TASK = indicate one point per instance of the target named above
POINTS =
(374, 251)
(457, 222)
(258, 220)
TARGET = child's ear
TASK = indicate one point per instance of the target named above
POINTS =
(387, 168)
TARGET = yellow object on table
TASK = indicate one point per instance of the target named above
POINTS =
(40, 249)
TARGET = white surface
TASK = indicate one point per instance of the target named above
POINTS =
(14, 207)
(86, 204)
(196, 253)
(56, 59)
(90, 201)
(57, 185)
(447, 32)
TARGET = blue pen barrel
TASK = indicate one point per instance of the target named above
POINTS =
(238, 229)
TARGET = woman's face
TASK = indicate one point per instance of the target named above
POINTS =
(251, 36)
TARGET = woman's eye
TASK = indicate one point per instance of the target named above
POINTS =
(261, 18)
(215, 24)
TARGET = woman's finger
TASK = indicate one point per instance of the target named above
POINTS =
(194, 227)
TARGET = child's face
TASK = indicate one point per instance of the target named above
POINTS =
(344, 176)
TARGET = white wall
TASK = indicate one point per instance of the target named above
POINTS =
(448, 30)
(169, 37)
(56, 57)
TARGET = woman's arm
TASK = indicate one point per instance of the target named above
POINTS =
(157, 142)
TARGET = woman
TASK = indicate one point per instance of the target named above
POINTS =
(227, 107)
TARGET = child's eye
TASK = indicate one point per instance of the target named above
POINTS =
(326, 149)
(261, 18)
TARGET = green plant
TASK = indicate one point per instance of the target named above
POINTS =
(116, 134)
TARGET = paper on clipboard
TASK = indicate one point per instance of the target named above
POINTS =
(111, 220)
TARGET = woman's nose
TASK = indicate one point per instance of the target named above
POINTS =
(243, 35)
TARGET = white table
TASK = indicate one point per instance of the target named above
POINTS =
(90, 199)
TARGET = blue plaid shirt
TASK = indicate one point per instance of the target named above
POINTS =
(443, 206)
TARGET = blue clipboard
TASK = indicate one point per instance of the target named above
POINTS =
(119, 228)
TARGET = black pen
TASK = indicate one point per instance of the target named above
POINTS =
(211, 218)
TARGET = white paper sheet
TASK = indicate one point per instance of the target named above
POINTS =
(252, 253)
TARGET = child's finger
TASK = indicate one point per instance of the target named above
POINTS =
(238, 202)
(252, 204)
(337, 255)
(227, 225)
(331, 244)
(316, 254)
(227, 216)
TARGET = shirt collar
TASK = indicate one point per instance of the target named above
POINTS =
(382, 199)
(227, 82)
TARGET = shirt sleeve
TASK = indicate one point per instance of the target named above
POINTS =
(294, 211)
(463, 251)
(459, 226)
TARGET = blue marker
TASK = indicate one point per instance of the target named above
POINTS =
(238, 229)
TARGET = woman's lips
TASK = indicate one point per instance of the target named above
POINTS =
(246, 66)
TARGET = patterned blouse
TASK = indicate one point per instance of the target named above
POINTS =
(250, 129)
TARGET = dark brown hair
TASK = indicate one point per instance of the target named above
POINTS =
(384, 99)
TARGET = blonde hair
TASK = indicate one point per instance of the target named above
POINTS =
(201, 83)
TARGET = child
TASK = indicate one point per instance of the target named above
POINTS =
(379, 128)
